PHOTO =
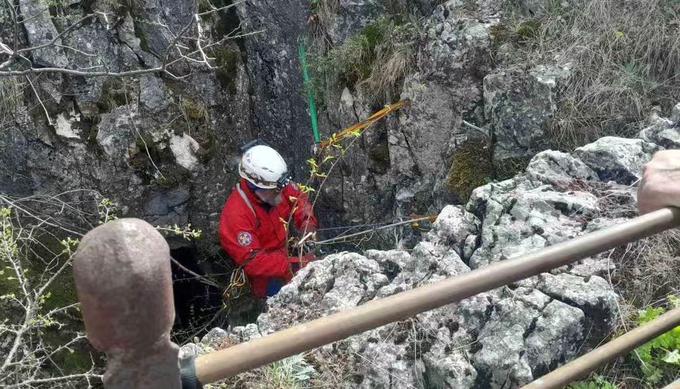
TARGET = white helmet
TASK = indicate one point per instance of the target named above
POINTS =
(264, 167)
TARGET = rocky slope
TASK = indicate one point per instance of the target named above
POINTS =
(166, 150)
(498, 339)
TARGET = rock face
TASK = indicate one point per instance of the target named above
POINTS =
(518, 105)
(459, 77)
(665, 132)
(150, 134)
(497, 339)
(146, 141)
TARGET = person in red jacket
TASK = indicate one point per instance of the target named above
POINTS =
(255, 220)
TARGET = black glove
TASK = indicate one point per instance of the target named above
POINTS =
(187, 370)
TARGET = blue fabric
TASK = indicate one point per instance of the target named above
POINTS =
(274, 286)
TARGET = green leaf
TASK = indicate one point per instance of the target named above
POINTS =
(672, 357)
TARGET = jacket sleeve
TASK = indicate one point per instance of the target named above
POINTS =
(303, 212)
(238, 239)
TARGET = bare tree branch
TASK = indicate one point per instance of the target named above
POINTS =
(71, 377)
(37, 96)
(174, 53)
(81, 73)
(214, 10)
(58, 37)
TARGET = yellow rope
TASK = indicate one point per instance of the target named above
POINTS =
(361, 126)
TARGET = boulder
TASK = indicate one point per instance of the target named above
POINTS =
(617, 159)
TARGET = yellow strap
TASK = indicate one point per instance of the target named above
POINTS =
(361, 126)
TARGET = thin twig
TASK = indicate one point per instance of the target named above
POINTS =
(201, 278)
(226, 7)
(74, 72)
(49, 120)
(56, 38)
(54, 379)
(483, 131)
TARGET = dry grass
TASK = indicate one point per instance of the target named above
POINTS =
(374, 61)
(648, 270)
(625, 56)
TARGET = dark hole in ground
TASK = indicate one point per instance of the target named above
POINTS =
(196, 303)
(199, 307)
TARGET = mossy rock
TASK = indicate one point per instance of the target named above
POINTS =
(522, 33)
(528, 30)
(227, 60)
(195, 111)
(471, 167)
(510, 167)
(172, 178)
(500, 34)
(113, 95)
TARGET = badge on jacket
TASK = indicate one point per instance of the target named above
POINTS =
(245, 238)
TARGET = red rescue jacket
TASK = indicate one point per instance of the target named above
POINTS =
(252, 232)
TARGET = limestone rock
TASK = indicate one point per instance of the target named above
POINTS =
(153, 95)
(184, 149)
(40, 31)
(117, 132)
(519, 104)
(665, 132)
(617, 159)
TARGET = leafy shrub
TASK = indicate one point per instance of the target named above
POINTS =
(660, 356)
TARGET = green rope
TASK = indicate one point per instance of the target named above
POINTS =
(310, 91)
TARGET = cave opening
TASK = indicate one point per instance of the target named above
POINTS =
(199, 307)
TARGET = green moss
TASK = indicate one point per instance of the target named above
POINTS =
(62, 292)
(374, 34)
(194, 110)
(500, 34)
(8, 286)
(510, 167)
(527, 30)
(521, 33)
(113, 95)
(69, 362)
(227, 60)
(471, 167)
(353, 61)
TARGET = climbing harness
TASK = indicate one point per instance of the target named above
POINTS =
(245, 199)
(360, 127)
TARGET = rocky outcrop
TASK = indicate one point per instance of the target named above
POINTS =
(278, 108)
(501, 338)
(407, 157)
(148, 140)
(519, 105)
(665, 132)
(462, 92)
